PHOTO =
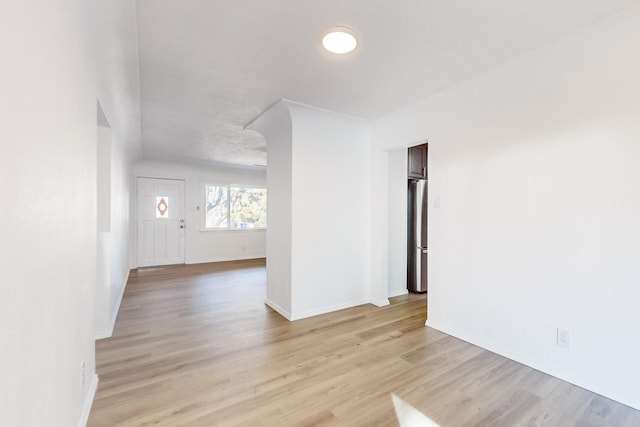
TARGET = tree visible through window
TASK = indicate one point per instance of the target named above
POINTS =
(217, 207)
(235, 207)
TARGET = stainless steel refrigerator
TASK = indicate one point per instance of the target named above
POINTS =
(417, 250)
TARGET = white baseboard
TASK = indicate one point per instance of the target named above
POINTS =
(114, 314)
(328, 309)
(225, 259)
(379, 302)
(105, 333)
(628, 398)
(315, 312)
(88, 402)
(284, 313)
(397, 292)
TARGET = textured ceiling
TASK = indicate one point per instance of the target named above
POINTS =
(207, 67)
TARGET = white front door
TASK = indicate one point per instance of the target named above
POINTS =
(160, 221)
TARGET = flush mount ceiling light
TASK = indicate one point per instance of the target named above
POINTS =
(340, 40)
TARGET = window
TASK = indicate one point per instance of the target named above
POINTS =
(217, 207)
(162, 207)
(235, 207)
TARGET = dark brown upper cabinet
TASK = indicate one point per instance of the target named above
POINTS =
(417, 164)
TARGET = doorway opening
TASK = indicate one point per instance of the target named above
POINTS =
(402, 168)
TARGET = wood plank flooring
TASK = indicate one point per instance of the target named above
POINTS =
(196, 346)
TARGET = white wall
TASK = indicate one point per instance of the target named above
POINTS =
(330, 200)
(119, 135)
(48, 216)
(103, 216)
(113, 193)
(397, 206)
(536, 167)
(49, 221)
(275, 126)
(379, 208)
(319, 259)
(207, 245)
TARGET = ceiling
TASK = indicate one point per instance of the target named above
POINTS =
(208, 67)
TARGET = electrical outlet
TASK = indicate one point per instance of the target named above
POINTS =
(83, 373)
(564, 338)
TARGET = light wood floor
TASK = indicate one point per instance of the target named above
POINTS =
(196, 346)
